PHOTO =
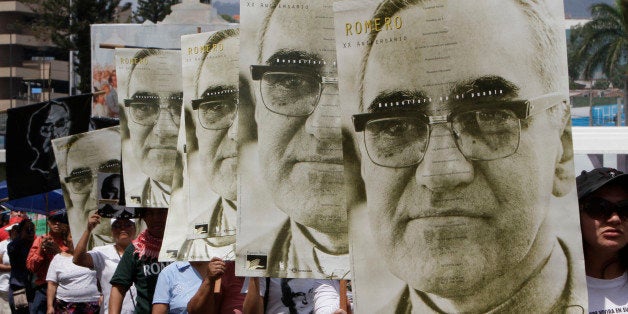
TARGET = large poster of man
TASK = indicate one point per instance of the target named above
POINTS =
(293, 221)
(31, 165)
(84, 161)
(210, 93)
(460, 113)
(150, 101)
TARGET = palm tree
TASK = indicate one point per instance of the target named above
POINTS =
(602, 43)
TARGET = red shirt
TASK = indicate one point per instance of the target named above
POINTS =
(38, 263)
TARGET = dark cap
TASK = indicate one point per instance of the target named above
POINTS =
(59, 216)
(589, 182)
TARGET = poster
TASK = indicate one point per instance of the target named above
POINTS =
(31, 165)
(293, 222)
(459, 111)
(151, 99)
(89, 171)
(107, 36)
(206, 221)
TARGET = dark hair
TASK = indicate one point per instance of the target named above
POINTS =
(107, 184)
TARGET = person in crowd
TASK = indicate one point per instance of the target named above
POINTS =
(5, 271)
(292, 296)
(105, 259)
(603, 197)
(139, 264)
(42, 252)
(189, 287)
(71, 288)
(21, 277)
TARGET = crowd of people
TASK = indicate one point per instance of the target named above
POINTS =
(52, 274)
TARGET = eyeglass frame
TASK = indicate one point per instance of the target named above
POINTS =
(94, 174)
(197, 102)
(522, 109)
(127, 104)
(258, 72)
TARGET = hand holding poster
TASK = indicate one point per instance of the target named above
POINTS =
(460, 112)
(293, 221)
(150, 99)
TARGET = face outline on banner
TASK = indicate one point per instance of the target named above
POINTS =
(218, 145)
(301, 169)
(154, 145)
(56, 125)
(85, 158)
(449, 225)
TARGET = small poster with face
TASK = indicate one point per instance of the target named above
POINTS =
(151, 99)
(459, 111)
(207, 219)
(89, 171)
(293, 222)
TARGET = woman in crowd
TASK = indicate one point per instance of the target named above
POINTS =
(71, 288)
(105, 259)
(20, 287)
(603, 197)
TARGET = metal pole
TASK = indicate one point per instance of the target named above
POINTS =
(11, 70)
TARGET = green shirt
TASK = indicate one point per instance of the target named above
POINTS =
(141, 272)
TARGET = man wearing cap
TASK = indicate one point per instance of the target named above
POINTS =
(41, 253)
(603, 197)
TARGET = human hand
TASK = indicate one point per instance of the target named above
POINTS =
(93, 221)
(215, 268)
(49, 246)
(50, 310)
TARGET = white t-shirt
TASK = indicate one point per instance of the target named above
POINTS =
(307, 295)
(5, 275)
(106, 260)
(608, 295)
(76, 283)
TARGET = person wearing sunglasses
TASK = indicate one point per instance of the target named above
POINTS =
(152, 114)
(85, 157)
(465, 143)
(603, 196)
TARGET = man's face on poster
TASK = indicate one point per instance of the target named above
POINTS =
(300, 151)
(86, 157)
(449, 224)
(57, 125)
(153, 115)
(217, 96)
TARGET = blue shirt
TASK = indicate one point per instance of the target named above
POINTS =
(176, 285)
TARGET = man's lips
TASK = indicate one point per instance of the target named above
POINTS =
(320, 159)
(449, 213)
(170, 147)
(612, 232)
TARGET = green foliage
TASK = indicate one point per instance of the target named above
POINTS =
(601, 84)
(67, 24)
(152, 10)
(228, 18)
(601, 44)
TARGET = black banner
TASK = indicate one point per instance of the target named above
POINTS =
(31, 165)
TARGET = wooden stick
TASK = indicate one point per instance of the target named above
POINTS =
(344, 301)
(217, 285)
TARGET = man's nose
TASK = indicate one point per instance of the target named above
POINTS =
(443, 167)
(614, 219)
(325, 120)
(232, 132)
(165, 125)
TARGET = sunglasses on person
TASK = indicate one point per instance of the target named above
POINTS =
(602, 209)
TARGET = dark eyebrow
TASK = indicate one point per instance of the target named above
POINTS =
(80, 172)
(295, 57)
(140, 95)
(218, 90)
(499, 88)
(109, 163)
(399, 100)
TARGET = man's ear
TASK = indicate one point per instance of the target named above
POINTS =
(564, 179)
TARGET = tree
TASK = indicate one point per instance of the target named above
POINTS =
(153, 10)
(602, 44)
(67, 24)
